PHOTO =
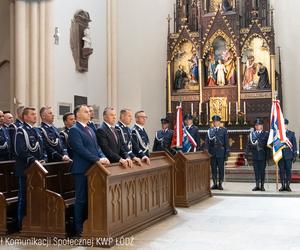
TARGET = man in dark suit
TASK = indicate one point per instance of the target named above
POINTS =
(193, 131)
(289, 156)
(86, 152)
(110, 141)
(55, 148)
(163, 137)
(29, 148)
(5, 149)
(124, 131)
(257, 146)
(91, 124)
(69, 121)
(216, 143)
(13, 129)
(140, 139)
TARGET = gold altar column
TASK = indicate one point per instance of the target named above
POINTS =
(273, 76)
(169, 88)
(20, 53)
(201, 81)
(238, 62)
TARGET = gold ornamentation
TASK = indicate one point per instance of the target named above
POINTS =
(218, 106)
(257, 95)
(231, 142)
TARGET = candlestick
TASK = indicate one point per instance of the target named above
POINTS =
(237, 113)
(207, 113)
(229, 113)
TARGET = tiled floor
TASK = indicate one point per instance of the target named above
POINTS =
(226, 223)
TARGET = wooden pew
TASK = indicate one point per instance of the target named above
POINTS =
(124, 201)
(8, 196)
(50, 199)
(192, 177)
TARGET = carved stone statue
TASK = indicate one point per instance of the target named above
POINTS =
(249, 73)
(87, 39)
(263, 82)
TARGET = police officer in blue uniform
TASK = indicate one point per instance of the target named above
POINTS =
(289, 156)
(163, 137)
(55, 148)
(140, 139)
(216, 143)
(257, 147)
(193, 131)
(69, 121)
(122, 127)
(12, 128)
(5, 149)
(29, 148)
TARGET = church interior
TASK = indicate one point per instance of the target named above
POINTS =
(191, 106)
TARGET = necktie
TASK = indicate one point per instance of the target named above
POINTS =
(87, 130)
(114, 132)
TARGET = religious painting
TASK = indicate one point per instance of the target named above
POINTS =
(225, 5)
(220, 66)
(186, 68)
(256, 61)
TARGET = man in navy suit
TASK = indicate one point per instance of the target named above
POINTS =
(257, 146)
(124, 131)
(69, 121)
(193, 131)
(140, 139)
(55, 148)
(5, 149)
(86, 152)
(110, 141)
(289, 156)
(29, 148)
(216, 143)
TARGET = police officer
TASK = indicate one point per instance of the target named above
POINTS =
(29, 148)
(216, 142)
(122, 127)
(257, 146)
(69, 121)
(55, 148)
(140, 138)
(163, 137)
(289, 155)
(5, 153)
(13, 129)
(193, 131)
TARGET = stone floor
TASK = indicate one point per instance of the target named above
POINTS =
(222, 222)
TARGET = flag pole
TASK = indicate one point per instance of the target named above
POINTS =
(277, 179)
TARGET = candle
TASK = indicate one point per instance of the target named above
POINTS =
(245, 108)
(207, 112)
(229, 111)
(237, 112)
(192, 108)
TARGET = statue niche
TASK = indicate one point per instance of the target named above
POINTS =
(186, 68)
(220, 64)
(80, 40)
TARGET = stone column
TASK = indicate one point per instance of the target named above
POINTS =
(20, 53)
(42, 67)
(12, 55)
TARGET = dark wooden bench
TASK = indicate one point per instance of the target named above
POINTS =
(192, 177)
(122, 201)
(8, 196)
(50, 198)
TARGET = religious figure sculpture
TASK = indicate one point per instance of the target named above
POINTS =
(211, 67)
(194, 68)
(180, 78)
(87, 39)
(249, 73)
(229, 62)
(220, 71)
(263, 82)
